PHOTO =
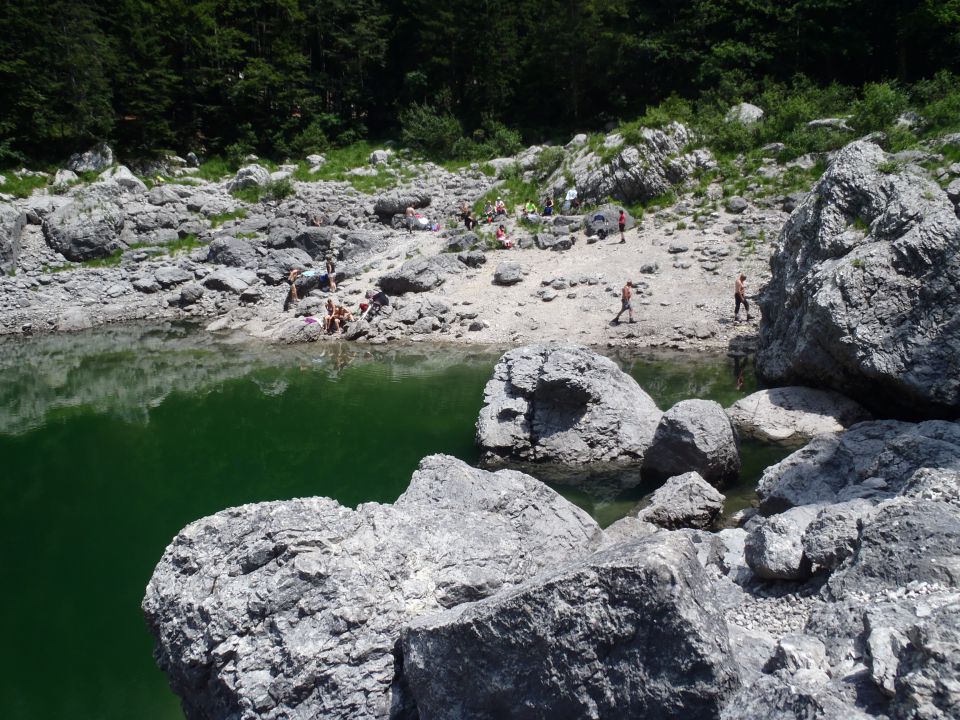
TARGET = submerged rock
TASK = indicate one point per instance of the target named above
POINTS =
(791, 416)
(863, 296)
(573, 643)
(694, 435)
(292, 609)
(564, 404)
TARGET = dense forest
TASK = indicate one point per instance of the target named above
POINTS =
(292, 76)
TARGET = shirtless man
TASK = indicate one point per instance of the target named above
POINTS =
(740, 298)
(331, 274)
(626, 296)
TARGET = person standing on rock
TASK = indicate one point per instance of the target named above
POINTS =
(331, 274)
(740, 298)
(622, 222)
(626, 298)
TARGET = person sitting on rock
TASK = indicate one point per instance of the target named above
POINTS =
(489, 212)
(530, 208)
(502, 238)
(548, 207)
(329, 318)
(342, 316)
(377, 300)
(501, 207)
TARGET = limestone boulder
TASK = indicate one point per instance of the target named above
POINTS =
(774, 549)
(646, 167)
(872, 460)
(508, 273)
(233, 252)
(293, 609)
(97, 158)
(564, 404)
(396, 203)
(694, 435)
(85, 229)
(571, 643)
(862, 297)
(791, 416)
(12, 222)
(683, 501)
(421, 274)
(249, 176)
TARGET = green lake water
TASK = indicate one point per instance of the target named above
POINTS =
(111, 441)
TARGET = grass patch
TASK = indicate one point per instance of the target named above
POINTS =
(218, 220)
(187, 242)
(21, 187)
(111, 260)
(215, 168)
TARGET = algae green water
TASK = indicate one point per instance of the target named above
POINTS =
(111, 441)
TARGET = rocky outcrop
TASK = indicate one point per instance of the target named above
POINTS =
(85, 229)
(609, 224)
(639, 170)
(791, 416)
(863, 294)
(564, 404)
(694, 435)
(396, 203)
(12, 221)
(774, 550)
(97, 158)
(421, 274)
(745, 114)
(292, 609)
(249, 176)
(871, 460)
(683, 501)
(572, 643)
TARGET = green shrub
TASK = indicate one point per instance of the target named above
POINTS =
(878, 107)
(431, 131)
(278, 189)
(939, 102)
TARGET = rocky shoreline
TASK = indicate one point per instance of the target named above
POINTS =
(484, 594)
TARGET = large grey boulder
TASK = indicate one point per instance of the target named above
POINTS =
(85, 229)
(564, 404)
(508, 273)
(421, 274)
(774, 549)
(231, 251)
(647, 169)
(694, 435)
(611, 215)
(232, 280)
(863, 294)
(97, 158)
(12, 221)
(870, 460)
(907, 539)
(632, 631)
(394, 203)
(683, 501)
(791, 416)
(834, 534)
(123, 177)
(928, 666)
(293, 609)
(249, 176)
(745, 114)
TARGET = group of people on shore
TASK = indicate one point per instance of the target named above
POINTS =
(739, 298)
